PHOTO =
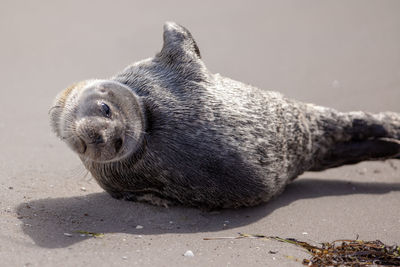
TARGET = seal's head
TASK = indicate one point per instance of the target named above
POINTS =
(101, 120)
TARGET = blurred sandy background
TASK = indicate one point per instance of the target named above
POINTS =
(342, 54)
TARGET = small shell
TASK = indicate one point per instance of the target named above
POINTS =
(188, 253)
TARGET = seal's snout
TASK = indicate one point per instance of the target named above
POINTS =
(100, 139)
(93, 138)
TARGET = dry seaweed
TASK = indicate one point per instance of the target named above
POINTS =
(340, 252)
(90, 233)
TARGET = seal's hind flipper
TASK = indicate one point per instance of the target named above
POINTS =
(365, 125)
(356, 151)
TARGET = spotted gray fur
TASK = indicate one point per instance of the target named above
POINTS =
(209, 141)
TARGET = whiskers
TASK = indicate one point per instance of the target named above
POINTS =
(54, 107)
(134, 135)
(68, 138)
(79, 172)
(63, 123)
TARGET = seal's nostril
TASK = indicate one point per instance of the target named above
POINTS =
(98, 140)
(118, 144)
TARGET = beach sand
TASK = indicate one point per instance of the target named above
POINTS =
(342, 54)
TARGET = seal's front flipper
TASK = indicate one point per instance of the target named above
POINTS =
(356, 151)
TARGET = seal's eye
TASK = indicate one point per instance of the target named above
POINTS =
(105, 109)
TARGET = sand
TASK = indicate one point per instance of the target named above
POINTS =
(342, 54)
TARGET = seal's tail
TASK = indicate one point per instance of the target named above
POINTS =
(360, 136)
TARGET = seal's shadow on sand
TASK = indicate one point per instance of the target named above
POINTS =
(46, 220)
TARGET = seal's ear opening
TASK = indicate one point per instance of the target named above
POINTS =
(179, 45)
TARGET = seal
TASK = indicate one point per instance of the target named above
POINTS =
(168, 131)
